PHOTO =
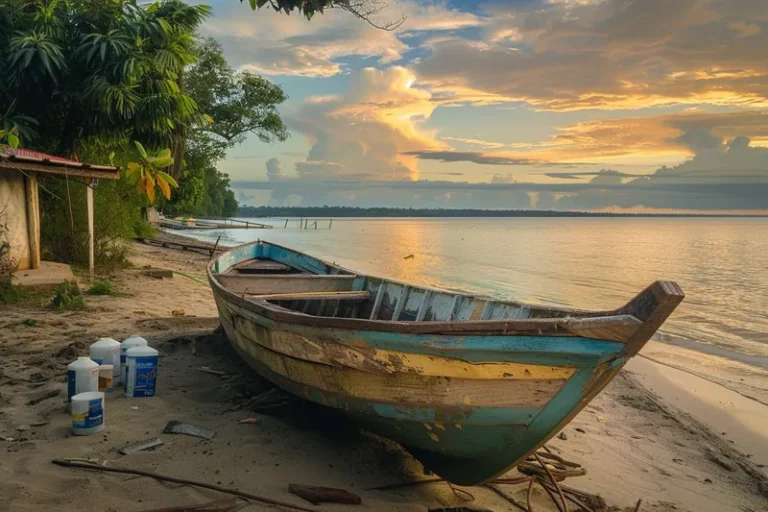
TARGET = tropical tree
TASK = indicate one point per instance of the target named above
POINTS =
(98, 68)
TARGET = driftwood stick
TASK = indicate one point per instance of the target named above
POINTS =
(149, 474)
(211, 506)
(510, 499)
(639, 503)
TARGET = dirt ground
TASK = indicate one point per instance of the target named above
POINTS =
(633, 444)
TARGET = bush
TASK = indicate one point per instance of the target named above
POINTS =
(101, 288)
(67, 296)
(10, 294)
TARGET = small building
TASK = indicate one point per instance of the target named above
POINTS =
(19, 206)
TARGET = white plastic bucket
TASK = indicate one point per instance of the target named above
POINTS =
(127, 344)
(82, 377)
(107, 351)
(140, 372)
(87, 413)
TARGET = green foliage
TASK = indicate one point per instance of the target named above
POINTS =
(117, 212)
(102, 288)
(146, 173)
(10, 294)
(67, 296)
(236, 103)
(89, 68)
(363, 9)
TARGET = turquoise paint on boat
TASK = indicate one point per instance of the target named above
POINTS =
(467, 444)
(479, 416)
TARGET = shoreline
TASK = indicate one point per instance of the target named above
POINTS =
(635, 439)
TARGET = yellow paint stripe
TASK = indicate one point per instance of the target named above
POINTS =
(444, 367)
(402, 388)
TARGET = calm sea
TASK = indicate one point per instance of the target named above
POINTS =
(721, 264)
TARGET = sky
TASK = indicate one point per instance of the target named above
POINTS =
(600, 105)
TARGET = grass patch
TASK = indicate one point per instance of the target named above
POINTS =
(102, 288)
(67, 297)
(10, 294)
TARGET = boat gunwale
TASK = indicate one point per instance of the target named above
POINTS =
(647, 311)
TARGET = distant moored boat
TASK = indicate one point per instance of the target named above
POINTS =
(469, 385)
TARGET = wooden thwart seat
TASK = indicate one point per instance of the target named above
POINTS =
(289, 283)
(253, 266)
(348, 296)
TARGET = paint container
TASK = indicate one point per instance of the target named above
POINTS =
(129, 343)
(107, 351)
(87, 413)
(140, 372)
(82, 377)
(106, 378)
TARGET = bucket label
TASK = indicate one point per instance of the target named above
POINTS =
(142, 373)
(93, 417)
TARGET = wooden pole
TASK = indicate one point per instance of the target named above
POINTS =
(330, 223)
(33, 221)
(286, 224)
(89, 207)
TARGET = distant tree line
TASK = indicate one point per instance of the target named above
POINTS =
(351, 211)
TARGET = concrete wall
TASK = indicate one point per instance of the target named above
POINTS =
(13, 216)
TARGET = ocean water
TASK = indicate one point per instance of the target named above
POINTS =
(589, 263)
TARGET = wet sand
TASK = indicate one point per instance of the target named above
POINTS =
(653, 434)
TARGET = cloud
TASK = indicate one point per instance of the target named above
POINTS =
(274, 44)
(475, 142)
(744, 29)
(371, 129)
(274, 169)
(613, 54)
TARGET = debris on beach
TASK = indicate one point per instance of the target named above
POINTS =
(206, 369)
(211, 506)
(249, 421)
(140, 446)
(51, 393)
(563, 436)
(316, 495)
(176, 427)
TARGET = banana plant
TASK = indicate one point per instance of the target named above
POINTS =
(146, 174)
(11, 136)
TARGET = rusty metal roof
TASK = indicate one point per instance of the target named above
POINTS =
(34, 161)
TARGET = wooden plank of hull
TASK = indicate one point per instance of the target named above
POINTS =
(387, 361)
(402, 388)
(262, 284)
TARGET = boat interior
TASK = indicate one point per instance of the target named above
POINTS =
(293, 281)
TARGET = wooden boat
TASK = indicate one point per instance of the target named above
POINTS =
(469, 385)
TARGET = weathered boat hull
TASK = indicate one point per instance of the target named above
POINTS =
(469, 406)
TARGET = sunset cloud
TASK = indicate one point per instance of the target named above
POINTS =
(613, 54)
(370, 129)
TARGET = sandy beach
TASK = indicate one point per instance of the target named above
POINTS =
(674, 435)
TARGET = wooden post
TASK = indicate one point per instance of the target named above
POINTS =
(33, 221)
(286, 224)
(330, 223)
(89, 207)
